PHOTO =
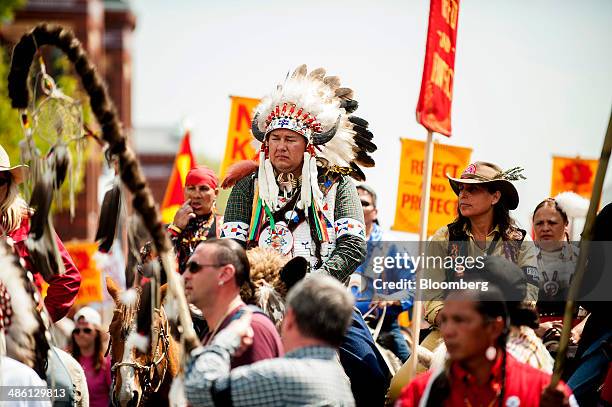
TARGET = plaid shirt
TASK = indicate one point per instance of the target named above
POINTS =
(350, 250)
(307, 376)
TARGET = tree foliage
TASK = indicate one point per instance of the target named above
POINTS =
(7, 7)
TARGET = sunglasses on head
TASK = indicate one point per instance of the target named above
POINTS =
(77, 331)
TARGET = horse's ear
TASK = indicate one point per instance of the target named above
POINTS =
(163, 290)
(293, 271)
(113, 289)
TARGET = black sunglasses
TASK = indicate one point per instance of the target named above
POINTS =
(4, 181)
(194, 267)
(365, 204)
(77, 331)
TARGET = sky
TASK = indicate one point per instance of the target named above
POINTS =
(532, 79)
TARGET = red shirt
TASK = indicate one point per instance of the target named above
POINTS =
(606, 389)
(64, 288)
(523, 386)
(266, 340)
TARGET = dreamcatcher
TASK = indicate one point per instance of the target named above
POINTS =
(48, 169)
(53, 136)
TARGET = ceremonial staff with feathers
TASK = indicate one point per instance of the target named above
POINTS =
(112, 133)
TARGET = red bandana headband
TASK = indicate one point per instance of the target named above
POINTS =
(202, 175)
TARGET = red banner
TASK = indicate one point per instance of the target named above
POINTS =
(173, 198)
(434, 107)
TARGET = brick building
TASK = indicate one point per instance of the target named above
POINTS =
(105, 29)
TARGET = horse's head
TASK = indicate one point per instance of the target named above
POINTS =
(139, 354)
(272, 275)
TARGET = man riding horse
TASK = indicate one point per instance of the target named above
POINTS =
(300, 200)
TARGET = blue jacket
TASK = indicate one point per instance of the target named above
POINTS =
(362, 278)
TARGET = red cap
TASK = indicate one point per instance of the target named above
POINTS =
(202, 175)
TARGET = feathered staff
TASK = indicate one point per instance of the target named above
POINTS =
(112, 132)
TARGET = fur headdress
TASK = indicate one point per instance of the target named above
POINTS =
(316, 107)
(271, 277)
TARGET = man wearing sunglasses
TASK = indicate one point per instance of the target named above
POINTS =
(213, 277)
(362, 283)
(308, 375)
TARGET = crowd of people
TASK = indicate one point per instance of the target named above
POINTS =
(497, 345)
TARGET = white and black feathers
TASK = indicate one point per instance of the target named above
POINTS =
(342, 142)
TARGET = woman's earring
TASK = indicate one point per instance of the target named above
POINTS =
(491, 353)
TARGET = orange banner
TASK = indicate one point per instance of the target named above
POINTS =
(573, 174)
(442, 201)
(91, 277)
(239, 144)
(173, 198)
(434, 107)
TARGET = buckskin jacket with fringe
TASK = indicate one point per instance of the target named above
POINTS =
(346, 248)
(63, 289)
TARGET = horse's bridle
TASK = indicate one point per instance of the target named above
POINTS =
(144, 371)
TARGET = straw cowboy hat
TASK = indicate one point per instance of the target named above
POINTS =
(482, 172)
(18, 171)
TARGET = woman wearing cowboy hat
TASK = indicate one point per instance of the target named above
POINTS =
(482, 228)
(15, 225)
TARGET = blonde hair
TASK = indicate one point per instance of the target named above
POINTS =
(12, 208)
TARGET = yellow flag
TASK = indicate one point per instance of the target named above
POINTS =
(573, 174)
(239, 144)
(91, 277)
(442, 200)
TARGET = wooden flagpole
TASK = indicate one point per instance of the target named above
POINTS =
(418, 305)
(408, 370)
(433, 112)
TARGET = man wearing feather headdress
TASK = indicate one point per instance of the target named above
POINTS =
(300, 201)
